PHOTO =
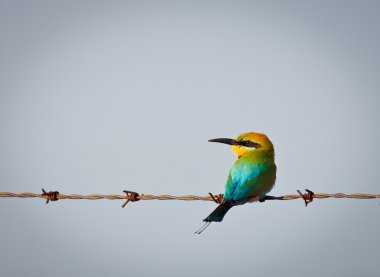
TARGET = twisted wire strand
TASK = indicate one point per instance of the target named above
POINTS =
(183, 198)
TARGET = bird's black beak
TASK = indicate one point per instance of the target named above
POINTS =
(225, 140)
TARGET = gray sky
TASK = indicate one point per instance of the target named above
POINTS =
(98, 97)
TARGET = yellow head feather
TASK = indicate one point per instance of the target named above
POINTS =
(262, 140)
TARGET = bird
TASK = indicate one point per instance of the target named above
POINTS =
(252, 176)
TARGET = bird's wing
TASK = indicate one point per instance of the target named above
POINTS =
(250, 180)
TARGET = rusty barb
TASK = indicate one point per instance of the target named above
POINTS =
(307, 197)
(131, 196)
(50, 196)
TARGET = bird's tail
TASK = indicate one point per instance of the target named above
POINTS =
(218, 214)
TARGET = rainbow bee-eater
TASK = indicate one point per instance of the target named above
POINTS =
(252, 176)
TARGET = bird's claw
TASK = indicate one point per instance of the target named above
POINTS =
(217, 198)
(307, 197)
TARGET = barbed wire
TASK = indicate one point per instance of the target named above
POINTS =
(133, 196)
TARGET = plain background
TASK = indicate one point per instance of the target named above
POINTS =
(98, 97)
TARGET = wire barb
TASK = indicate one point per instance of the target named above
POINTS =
(131, 196)
(50, 196)
(307, 197)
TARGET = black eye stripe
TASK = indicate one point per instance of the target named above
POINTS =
(250, 144)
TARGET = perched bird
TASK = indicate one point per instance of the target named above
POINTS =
(252, 176)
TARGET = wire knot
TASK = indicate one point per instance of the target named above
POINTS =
(307, 197)
(217, 198)
(50, 196)
(131, 196)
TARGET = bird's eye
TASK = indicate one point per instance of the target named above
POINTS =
(248, 143)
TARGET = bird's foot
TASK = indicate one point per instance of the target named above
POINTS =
(307, 197)
(217, 198)
(269, 197)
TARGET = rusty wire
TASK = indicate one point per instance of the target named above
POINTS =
(133, 196)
